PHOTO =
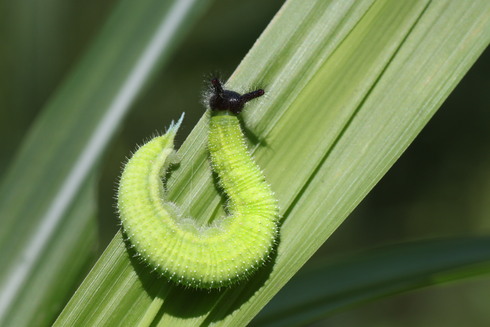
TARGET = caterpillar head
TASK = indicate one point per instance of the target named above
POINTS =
(232, 101)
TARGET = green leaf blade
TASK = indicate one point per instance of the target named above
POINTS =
(373, 274)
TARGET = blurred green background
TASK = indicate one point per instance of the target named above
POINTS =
(439, 187)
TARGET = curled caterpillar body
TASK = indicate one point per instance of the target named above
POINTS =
(209, 257)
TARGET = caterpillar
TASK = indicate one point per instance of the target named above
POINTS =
(195, 256)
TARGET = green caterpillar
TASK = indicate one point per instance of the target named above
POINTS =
(191, 255)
